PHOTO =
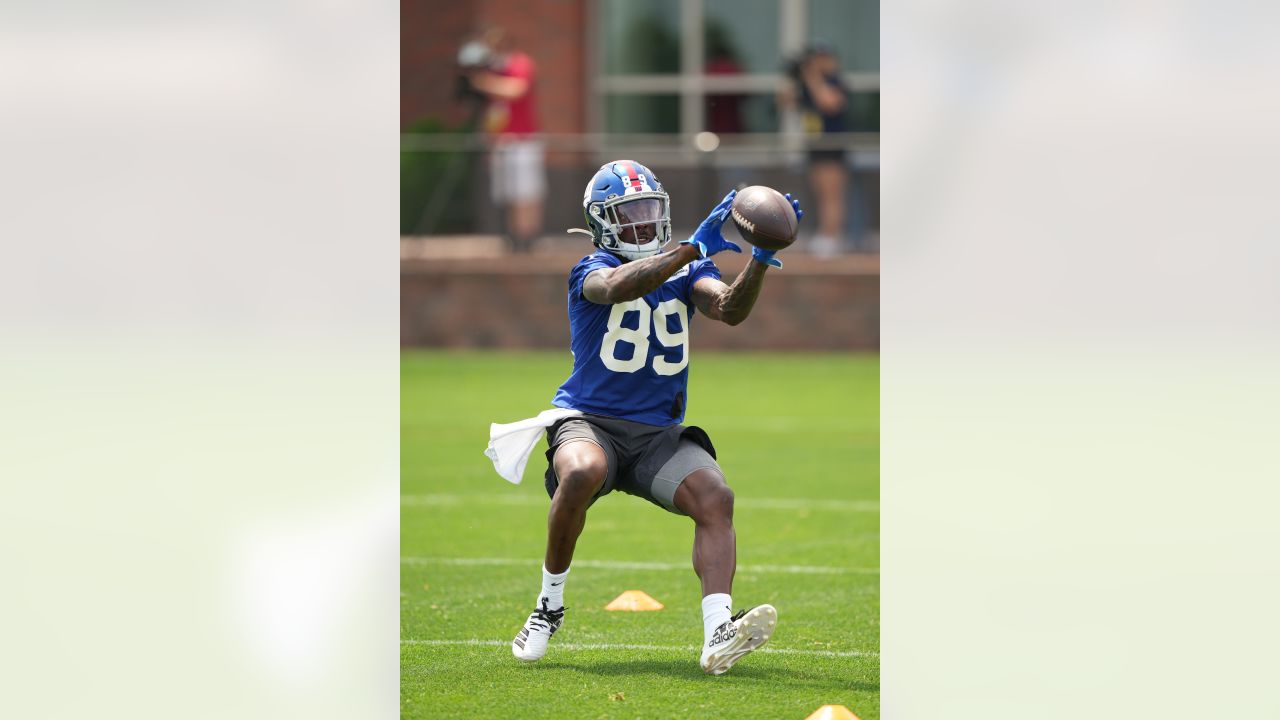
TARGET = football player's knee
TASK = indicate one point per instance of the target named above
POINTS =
(714, 498)
(722, 501)
(580, 481)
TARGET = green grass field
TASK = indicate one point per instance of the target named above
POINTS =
(798, 438)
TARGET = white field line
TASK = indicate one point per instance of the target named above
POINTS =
(628, 565)
(540, 500)
(661, 648)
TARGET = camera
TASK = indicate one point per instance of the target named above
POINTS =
(473, 55)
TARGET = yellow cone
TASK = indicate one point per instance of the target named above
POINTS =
(832, 712)
(634, 601)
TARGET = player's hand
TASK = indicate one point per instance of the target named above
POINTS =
(707, 237)
(767, 256)
(795, 203)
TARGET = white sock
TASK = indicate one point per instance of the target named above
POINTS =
(716, 610)
(552, 588)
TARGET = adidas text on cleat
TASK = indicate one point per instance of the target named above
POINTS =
(744, 632)
(531, 642)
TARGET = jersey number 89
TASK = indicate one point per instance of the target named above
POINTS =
(640, 337)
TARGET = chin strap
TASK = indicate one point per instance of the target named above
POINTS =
(588, 233)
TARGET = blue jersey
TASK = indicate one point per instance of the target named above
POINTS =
(631, 360)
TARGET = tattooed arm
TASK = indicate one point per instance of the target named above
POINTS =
(730, 304)
(637, 278)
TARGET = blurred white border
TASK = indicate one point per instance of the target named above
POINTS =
(199, 312)
(1080, 366)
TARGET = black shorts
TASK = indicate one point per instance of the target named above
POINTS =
(827, 155)
(647, 461)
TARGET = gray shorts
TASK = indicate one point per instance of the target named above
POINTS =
(647, 461)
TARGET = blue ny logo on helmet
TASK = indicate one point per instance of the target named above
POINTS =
(627, 211)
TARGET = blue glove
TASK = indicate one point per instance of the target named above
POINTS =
(707, 237)
(767, 256)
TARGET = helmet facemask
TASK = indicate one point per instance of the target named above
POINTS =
(636, 225)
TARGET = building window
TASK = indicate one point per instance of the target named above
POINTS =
(680, 67)
(642, 38)
(642, 113)
(852, 26)
(744, 32)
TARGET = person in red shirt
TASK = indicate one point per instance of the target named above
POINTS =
(518, 178)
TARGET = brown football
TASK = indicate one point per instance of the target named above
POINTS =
(764, 217)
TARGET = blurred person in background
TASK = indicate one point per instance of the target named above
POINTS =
(517, 173)
(821, 97)
(723, 110)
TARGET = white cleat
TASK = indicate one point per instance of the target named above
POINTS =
(531, 642)
(744, 632)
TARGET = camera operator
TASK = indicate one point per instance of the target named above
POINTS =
(505, 79)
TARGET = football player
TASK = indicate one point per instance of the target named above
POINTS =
(630, 311)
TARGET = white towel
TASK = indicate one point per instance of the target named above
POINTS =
(510, 444)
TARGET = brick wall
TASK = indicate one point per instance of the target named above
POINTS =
(430, 34)
(551, 31)
(513, 302)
